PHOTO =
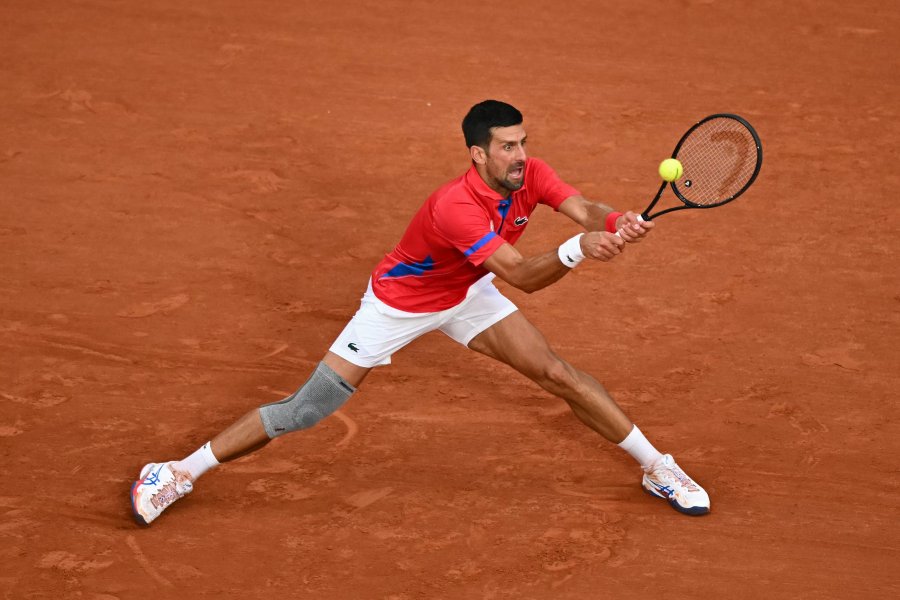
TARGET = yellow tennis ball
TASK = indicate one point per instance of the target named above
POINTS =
(670, 169)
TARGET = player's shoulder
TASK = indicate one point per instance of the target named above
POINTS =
(452, 193)
(455, 204)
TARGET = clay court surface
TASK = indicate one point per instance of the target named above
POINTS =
(192, 196)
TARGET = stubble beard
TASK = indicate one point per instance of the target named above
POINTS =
(514, 186)
(510, 186)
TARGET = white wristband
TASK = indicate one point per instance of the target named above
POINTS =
(570, 253)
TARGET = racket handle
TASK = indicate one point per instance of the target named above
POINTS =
(619, 232)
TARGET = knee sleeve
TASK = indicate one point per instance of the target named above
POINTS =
(323, 393)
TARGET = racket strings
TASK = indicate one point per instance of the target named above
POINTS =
(719, 159)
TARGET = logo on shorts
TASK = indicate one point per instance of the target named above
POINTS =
(520, 221)
(353, 347)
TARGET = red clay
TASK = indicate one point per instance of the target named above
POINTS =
(192, 197)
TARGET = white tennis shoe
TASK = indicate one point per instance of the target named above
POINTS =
(158, 487)
(665, 479)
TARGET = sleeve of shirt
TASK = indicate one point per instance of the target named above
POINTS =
(550, 188)
(467, 227)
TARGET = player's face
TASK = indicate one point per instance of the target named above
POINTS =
(504, 161)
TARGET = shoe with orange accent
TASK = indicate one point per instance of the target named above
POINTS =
(665, 479)
(158, 487)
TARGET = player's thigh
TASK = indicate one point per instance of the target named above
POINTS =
(515, 341)
(374, 334)
(478, 312)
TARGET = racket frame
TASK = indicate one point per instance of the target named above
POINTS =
(687, 203)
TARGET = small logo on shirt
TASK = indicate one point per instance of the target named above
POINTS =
(520, 221)
(353, 347)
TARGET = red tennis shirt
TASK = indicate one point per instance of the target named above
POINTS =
(460, 225)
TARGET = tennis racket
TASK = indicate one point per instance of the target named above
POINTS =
(721, 156)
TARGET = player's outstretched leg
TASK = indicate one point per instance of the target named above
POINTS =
(517, 343)
(327, 389)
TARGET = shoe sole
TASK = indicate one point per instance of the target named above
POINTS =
(138, 518)
(694, 511)
(134, 512)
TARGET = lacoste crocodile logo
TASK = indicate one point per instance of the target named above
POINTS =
(520, 221)
(353, 347)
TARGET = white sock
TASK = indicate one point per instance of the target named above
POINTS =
(199, 462)
(639, 448)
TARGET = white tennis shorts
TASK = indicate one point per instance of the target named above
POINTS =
(377, 330)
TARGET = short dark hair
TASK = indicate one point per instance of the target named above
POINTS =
(483, 117)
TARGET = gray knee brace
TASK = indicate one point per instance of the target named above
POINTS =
(323, 393)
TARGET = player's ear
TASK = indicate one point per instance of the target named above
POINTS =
(478, 154)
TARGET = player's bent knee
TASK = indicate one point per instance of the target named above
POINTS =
(556, 374)
(323, 393)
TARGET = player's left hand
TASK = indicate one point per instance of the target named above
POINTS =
(601, 245)
(631, 228)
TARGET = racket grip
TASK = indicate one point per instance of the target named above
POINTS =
(619, 232)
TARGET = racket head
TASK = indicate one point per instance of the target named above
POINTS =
(721, 156)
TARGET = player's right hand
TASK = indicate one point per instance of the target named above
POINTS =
(632, 228)
(601, 245)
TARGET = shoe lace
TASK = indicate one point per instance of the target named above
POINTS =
(682, 477)
(166, 495)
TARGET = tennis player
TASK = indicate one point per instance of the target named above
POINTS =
(440, 277)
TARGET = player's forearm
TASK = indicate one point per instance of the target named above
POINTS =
(590, 215)
(538, 272)
(595, 216)
(529, 274)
